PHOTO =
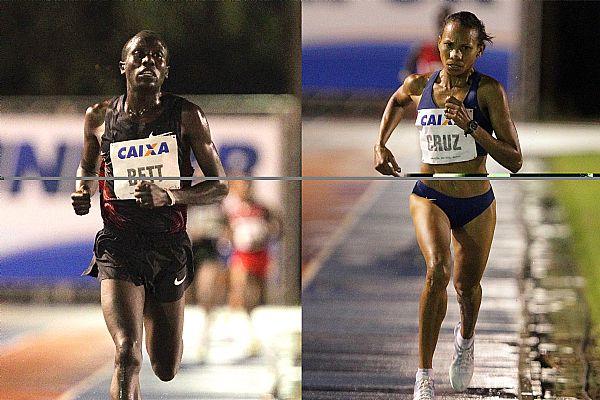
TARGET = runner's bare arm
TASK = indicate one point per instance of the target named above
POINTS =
(196, 131)
(413, 85)
(505, 149)
(90, 157)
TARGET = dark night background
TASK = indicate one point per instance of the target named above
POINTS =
(73, 48)
(227, 47)
(570, 72)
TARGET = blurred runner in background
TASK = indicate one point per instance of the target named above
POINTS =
(252, 228)
(208, 231)
(425, 57)
(238, 235)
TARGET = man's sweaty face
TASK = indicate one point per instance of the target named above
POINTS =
(145, 63)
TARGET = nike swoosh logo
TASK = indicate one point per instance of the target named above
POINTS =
(177, 283)
(161, 134)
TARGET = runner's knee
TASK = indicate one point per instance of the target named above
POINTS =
(128, 354)
(466, 288)
(438, 274)
(165, 371)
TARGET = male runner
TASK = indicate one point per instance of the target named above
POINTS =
(143, 255)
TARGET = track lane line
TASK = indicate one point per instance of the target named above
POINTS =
(362, 205)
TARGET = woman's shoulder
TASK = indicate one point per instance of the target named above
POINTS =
(415, 83)
(489, 85)
(489, 90)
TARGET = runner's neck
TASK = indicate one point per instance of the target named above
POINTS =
(138, 104)
(455, 82)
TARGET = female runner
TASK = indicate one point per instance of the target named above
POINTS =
(458, 111)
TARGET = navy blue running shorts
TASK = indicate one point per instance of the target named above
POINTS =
(460, 210)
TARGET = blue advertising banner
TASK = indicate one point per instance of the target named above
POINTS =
(369, 47)
(42, 241)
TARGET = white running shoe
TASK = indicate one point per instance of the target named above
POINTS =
(461, 369)
(424, 388)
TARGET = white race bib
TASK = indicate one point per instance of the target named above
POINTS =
(148, 159)
(250, 233)
(441, 141)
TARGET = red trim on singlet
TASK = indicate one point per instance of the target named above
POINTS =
(107, 208)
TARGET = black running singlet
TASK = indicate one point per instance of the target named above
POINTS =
(119, 127)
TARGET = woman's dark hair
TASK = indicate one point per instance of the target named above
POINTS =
(469, 20)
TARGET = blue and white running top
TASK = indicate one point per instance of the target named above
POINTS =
(442, 142)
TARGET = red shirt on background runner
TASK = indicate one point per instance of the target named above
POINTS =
(249, 224)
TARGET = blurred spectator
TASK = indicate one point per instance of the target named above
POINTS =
(425, 57)
(252, 228)
(207, 228)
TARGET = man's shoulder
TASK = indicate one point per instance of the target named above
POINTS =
(173, 99)
(188, 106)
(99, 107)
(192, 114)
(96, 112)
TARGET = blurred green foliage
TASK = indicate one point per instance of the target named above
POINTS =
(580, 201)
(73, 48)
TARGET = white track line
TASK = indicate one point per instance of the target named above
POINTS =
(98, 376)
(362, 205)
(16, 343)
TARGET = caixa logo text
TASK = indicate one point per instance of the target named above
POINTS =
(435, 119)
(142, 150)
(27, 159)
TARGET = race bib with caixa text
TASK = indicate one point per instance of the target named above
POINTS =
(146, 159)
(442, 142)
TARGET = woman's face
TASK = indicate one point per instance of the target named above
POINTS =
(459, 48)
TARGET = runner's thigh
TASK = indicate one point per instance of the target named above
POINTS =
(164, 327)
(123, 309)
(432, 228)
(472, 244)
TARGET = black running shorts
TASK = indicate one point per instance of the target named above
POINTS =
(163, 262)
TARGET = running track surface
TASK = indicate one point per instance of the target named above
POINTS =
(325, 203)
(65, 353)
(360, 319)
(335, 147)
